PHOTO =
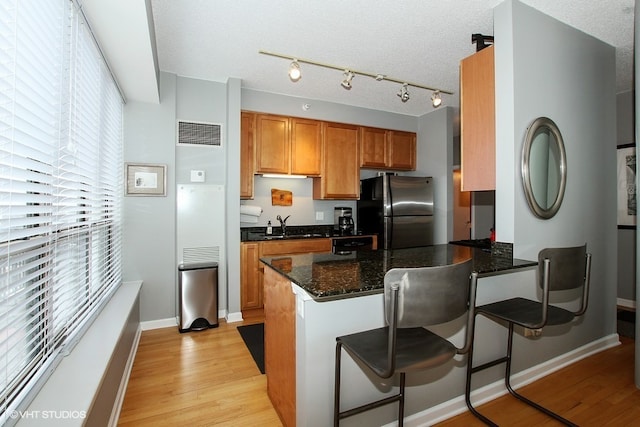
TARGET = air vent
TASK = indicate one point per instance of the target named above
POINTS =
(200, 134)
(204, 254)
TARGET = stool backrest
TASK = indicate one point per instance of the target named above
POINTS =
(428, 295)
(568, 267)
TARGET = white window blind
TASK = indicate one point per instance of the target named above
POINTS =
(60, 189)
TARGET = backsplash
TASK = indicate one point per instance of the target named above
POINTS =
(304, 210)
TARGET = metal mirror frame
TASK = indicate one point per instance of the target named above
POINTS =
(539, 124)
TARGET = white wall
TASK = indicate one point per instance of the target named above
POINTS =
(572, 81)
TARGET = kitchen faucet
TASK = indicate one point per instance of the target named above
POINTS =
(283, 224)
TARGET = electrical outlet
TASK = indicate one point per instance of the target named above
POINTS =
(319, 216)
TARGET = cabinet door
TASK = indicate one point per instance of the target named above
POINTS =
(340, 164)
(477, 121)
(373, 148)
(250, 276)
(298, 246)
(273, 146)
(402, 150)
(306, 147)
(247, 160)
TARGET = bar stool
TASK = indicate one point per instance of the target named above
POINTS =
(414, 297)
(558, 269)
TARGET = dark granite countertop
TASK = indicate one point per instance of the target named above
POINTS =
(325, 276)
(257, 234)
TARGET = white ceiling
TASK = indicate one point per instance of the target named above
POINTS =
(420, 41)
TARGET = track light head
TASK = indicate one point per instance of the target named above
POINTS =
(404, 93)
(436, 101)
(348, 76)
(294, 71)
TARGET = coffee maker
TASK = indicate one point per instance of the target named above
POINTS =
(343, 221)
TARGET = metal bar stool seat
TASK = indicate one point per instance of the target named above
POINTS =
(558, 269)
(414, 297)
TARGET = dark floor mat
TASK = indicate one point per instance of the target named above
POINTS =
(253, 337)
(627, 323)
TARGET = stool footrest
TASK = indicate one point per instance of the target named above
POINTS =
(371, 405)
(489, 364)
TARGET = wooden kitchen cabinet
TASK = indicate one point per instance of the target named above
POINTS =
(247, 159)
(288, 145)
(250, 277)
(251, 270)
(477, 121)
(306, 147)
(402, 150)
(387, 149)
(373, 148)
(340, 178)
(295, 246)
(273, 144)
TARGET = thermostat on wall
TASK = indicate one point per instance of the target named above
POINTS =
(197, 176)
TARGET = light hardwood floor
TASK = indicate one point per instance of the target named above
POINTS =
(208, 378)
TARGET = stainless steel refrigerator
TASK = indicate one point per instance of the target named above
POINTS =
(399, 209)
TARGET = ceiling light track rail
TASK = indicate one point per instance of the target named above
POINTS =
(376, 76)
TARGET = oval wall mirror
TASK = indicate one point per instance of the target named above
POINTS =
(544, 167)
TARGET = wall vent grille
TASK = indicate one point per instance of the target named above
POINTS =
(200, 134)
(204, 254)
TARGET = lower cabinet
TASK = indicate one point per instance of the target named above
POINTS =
(251, 271)
(280, 345)
(250, 277)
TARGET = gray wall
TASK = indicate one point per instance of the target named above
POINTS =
(149, 241)
(578, 93)
(626, 238)
(150, 137)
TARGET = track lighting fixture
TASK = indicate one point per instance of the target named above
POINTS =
(294, 71)
(349, 73)
(404, 93)
(436, 101)
(348, 76)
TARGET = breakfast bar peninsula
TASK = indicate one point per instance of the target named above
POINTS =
(310, 299)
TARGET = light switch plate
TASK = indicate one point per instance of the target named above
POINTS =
(319, 216)
(197, 176)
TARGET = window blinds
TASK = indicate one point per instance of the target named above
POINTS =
(60, 189)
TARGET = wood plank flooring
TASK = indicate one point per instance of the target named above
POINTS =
(203, 378)
(208, 378)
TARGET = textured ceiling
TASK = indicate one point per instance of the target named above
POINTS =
(420, 41)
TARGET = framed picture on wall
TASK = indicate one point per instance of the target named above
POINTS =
(627, 202)
(145, 179)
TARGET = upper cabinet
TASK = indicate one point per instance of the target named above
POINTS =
(247, 159)
(306, 147)
(477, 121)
(387, 149)
(331, 153)
(340, 178)
(273, 145)
(287, 145)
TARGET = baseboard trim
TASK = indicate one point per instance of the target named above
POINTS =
(494, 390)
(234, 317)
(626, 303)
(158, 324)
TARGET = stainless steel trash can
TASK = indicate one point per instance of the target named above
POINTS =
(198, 294)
